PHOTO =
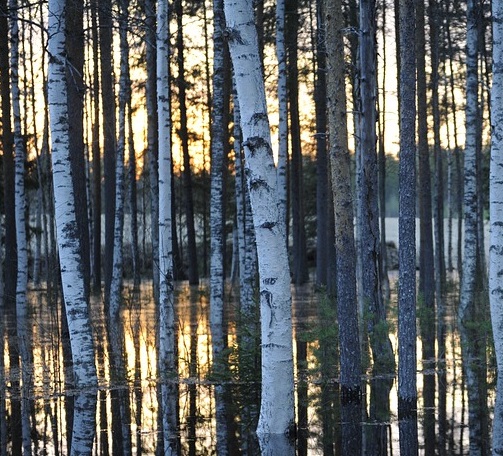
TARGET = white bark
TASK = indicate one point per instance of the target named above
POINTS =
(115, 326)
(496, 217)
(66, 224)
(277, 400)
(218, 128)
(23, 338)
(167, 366)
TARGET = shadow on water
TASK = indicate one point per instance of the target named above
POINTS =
(327, 424)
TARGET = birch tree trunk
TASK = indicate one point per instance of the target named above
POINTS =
(166, 362)
(74, 293)
(22, 325)
(469, 311)
(218, 138)
(496, 218)
(277, 401)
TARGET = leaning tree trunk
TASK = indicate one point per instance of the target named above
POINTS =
(277, 401)
(166, 357)
(23, 336)
(74, 293)
(496, 218)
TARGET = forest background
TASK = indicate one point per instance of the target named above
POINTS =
(114, 117)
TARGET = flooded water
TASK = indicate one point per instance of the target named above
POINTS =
(323, 427)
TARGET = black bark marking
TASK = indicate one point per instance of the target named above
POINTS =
(255, 143)
(232, 34)
(257, 183)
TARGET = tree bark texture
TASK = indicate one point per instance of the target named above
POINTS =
(167, 359)
(375, 312)
(275, 295)
(66, 224)
(407, 364)
(345, 251)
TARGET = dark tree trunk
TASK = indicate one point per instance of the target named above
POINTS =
(184, 137)
(75, 97)
(426, 259)
(323, 199)
(152, 139)
(299, 269)
(370, 238)
(109, 135)
(96, 151)
(10, 258)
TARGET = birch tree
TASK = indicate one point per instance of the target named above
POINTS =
(218, 136)
(21, 239)
(277, 400)
(469, 306)
(496, 218)
(72, 279)
(166, 362)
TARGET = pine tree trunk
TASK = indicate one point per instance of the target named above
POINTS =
(184, 138)
(152, 137)
(370, 238)
(300, 273)
(323, 200)
(277, 401)
(426, 288)
(109, 135)
(76, 90)
(10, 254)
(282, 110)
(96, 152)
(345, 251)
(166, 356)
(407, 364)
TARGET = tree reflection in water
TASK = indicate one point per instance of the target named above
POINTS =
(325, 427)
